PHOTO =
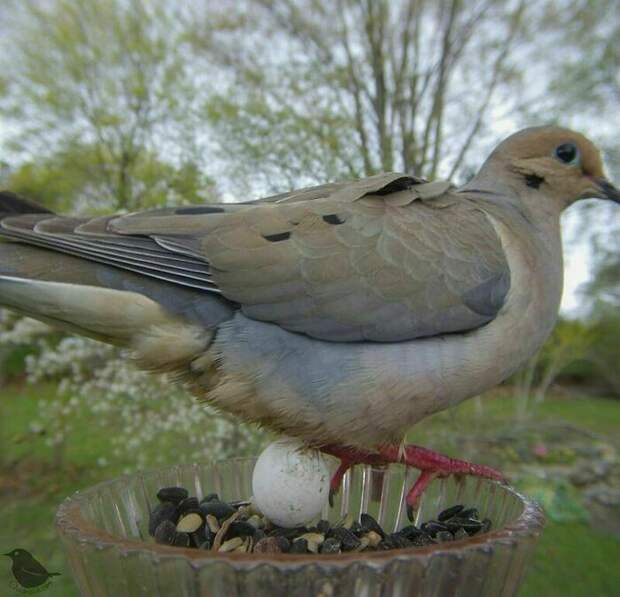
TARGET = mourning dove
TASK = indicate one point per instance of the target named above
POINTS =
(342, 314)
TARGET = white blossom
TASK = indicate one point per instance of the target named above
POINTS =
(149, 420)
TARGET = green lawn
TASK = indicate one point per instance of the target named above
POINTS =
(572, 560)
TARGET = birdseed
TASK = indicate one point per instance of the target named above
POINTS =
(214, 525)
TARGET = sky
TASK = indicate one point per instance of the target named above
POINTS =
(577, 261)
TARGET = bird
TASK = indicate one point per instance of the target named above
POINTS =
(28, 572)
(341, 314)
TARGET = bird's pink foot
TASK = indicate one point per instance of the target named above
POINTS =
(431, 465)
(348, 457)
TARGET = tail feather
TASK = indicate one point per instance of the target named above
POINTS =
(12, 204)
(165, 325)
(159, 340)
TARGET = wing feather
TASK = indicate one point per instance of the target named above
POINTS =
(386, 258)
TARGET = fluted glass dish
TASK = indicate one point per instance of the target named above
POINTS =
(104, 530)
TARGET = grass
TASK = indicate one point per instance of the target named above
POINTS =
(572, 559)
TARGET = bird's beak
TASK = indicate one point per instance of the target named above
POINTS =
(603, 189)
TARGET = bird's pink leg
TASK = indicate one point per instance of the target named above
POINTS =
(431, 465)
(348, 457)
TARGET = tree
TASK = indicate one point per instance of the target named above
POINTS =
(72, 179)
(322, 90)
(100, 97)
(587, 86)
(108, 78)
(570, 341)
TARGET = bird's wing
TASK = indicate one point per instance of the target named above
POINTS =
(387, 258)
(33, 568)
(90, 239)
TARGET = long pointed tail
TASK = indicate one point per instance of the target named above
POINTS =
(13, 204)
(166, 325)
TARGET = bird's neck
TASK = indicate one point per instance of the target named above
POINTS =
(499, 185)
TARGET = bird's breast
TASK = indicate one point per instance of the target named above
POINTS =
(366, 393)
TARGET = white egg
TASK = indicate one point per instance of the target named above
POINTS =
(290, 484)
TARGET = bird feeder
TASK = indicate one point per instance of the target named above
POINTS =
(105, 531)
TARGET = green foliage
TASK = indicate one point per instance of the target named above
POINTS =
(573, 559)
(570, 341)
(602, 294)
(586, 87)
(101, 100)
(13, 362)
(319, 90)
(605, 350)
(73, 179)
(560, 501)
(587, 79)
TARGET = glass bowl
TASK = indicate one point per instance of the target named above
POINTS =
(104, 532)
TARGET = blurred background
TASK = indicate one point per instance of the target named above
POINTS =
(119, 105)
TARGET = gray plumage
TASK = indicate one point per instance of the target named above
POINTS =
(342, 313)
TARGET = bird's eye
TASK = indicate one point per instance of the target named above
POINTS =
(567, 153)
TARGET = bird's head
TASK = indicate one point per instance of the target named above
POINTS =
(18, 554)
(562, 164)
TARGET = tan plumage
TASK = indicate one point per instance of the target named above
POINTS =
(343, 313)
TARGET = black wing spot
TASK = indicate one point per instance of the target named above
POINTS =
(333, 219)
(199, 209)
(533, 181)
(400, 184)
(274, 238)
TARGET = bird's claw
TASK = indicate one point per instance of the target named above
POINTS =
(332, 494)
(431, 465)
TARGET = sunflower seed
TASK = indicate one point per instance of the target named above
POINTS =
(460, 534)
(370, 524)
(348, 540)
(241, 528)
(189, 523)
(181, 540)
(212, 523)
(432, 527)
(317, 538)
(299, 546)
(189, 503)
(444, 536)
(220, 510)
(219, 536)
(161, 512)
(330, 545)
(231, 544)
(449, 512)
(172, 494)
(470, 513)
(256, 521)
(411, 531)
(165, 532)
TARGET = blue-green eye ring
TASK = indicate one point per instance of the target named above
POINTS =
(567, 153)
